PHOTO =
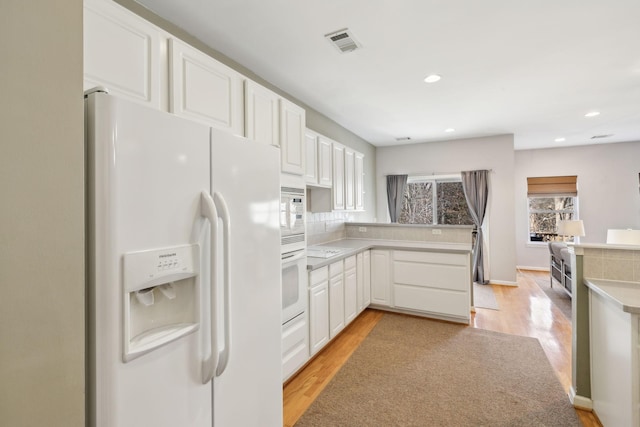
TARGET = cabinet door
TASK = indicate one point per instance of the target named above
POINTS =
(261, 114)
(318, 316)
(311, 152)
(338, 176)
(359, 181)
(349, 179)
(336, 299)
(325, 172)
(380, 278)
(350, 290)
(367, 278)
(292, 142)
(204, 89)
(360, 280)
(122, 52)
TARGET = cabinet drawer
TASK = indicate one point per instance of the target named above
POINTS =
(438, 301)
(432, 257)
(350, 262)
(318, 276)
(295, 348)
(336, 268)
(441, 276)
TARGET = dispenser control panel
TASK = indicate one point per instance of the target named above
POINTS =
(144, 269)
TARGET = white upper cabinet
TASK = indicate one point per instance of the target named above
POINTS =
(292, 138)
(325, 172)
(359, 181)
(338, 176)
(122, 52)
(349, 179)
(261, 114)
(204, 89)
(318, 167)
(311, 154)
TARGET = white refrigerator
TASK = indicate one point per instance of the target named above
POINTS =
(184, 300)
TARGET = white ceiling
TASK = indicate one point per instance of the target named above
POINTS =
(533, 68)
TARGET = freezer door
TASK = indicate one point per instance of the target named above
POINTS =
(146, 172)
(246, 183)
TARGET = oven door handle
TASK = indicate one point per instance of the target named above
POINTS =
(293, 256)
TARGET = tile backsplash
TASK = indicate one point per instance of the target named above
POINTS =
(612, 264)
(326, 226)
(442, 234)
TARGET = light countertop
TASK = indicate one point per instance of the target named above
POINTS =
(625, 295)
(353, 246)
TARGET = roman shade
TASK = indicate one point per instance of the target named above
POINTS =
(553, 186)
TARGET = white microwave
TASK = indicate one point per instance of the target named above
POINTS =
(292, 208)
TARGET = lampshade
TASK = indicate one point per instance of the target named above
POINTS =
(571, 228)
(623, 237)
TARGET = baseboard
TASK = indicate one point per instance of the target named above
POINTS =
(502, 282)
(580, 402)
(527, 267)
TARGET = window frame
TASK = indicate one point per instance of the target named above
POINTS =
(434, 179)
(557, 238)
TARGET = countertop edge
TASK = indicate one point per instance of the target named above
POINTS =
(603, 288)
(355, 246)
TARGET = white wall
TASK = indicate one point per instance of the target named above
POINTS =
(41, 214)
(495, 153)
(608, 195)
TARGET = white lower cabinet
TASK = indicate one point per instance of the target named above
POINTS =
(380, 278)
(366, 278)
(350, 289)
(360, 281)
(436, 283)
(336, 298)
(615, 362)
(295, 345)
(318, 309)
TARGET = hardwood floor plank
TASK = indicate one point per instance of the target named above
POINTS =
(524, 310)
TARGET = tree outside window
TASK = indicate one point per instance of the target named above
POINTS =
(545, 213)
(434, 201)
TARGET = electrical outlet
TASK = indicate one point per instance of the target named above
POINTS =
(436, 231)
(362, 229)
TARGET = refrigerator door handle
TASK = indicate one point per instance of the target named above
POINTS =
(224, 216)
(208, 210)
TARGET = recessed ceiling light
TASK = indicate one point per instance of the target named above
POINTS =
(449, 130)
(432, 78)
(560, 139)
(592, 114)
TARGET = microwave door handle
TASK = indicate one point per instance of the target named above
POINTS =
(226, 223)
(208, 210)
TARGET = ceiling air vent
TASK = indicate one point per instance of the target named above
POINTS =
(601, 136)
(343, 40)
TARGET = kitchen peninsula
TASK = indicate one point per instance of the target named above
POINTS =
(416, 269)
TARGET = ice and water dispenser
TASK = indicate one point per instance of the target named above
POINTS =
(161, 297)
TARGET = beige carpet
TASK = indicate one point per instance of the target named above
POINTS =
(417, 372)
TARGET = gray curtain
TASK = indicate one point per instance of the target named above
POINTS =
(476, 191)
(395, 194)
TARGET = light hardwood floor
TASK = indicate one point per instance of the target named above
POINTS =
(524, 310)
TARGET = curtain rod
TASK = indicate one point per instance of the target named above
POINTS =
(434, 173)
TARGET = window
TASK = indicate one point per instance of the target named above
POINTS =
(434, 200)
(551, 200)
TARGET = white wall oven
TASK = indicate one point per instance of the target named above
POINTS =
(292, 207)
(294, 284)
